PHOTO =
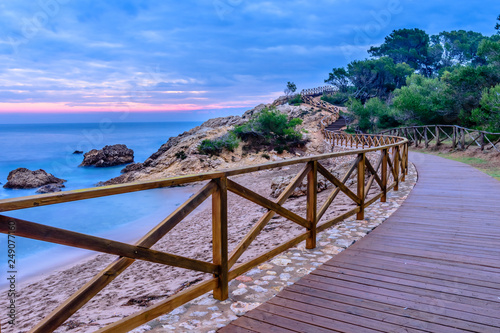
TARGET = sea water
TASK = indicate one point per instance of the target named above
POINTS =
(124, 217)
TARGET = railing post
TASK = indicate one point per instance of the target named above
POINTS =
(481, 141)
(361, 186)
(454, 138)
(416, 138)
(396, 165)
(462, 139)
(385, 152)
(219, 241)
(426, 137)
(407, 158)
(403, 162)
(438, 142)
(312, 203)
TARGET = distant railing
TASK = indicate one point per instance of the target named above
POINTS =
(459, 137)
(322, 105)
(318, 91)
(383, 176)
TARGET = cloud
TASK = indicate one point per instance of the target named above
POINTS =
(194, 54)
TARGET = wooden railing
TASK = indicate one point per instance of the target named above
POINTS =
(322, 105)
(459, 137)
(318, 91)
(383, 176)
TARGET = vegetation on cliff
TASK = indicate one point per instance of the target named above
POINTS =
(267, 130)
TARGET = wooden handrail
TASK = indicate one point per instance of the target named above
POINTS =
(440, 133)
(386, 174)
(318, 91)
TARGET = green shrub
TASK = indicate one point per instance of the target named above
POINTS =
(228, 141)
(266, 156)
(280, 149)
(270, 128)
(181, 155)
(296, 100)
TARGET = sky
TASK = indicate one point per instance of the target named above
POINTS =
(193, 60)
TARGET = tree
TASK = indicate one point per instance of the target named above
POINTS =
(290, 88)
(422, 101)
(339, 78)
(465, 87)
(497, 26)
(410, 46)
(459, 47)
(490, 50)
(488, 114)
(368, 115)
(376, 77)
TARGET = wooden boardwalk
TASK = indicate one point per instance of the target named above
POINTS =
(433, 266)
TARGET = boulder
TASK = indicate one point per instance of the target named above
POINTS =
(23, 178)
(50, 188)
(108, 156)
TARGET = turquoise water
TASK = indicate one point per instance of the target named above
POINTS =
(124, 217)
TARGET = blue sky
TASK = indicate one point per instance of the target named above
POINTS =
(188, 60)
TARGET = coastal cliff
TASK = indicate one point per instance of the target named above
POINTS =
(180, 155)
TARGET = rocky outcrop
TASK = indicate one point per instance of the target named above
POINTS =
(166, 163)
(108, 156)
(50, 188)
(23, 178)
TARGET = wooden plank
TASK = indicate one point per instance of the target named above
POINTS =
(317, 317)
(264, 220)
(219, 239)
(252, 325)
(374, 176)
(266, 203)
(336, 191)
(361, 186)
(331, 178)
(337, 219)
(284, 322)
(384, 322)
(142, 317)
(312, 203)
(74, 239)
(242, 268)
(384, 175)
(428, 316)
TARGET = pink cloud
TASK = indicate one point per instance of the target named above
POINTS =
(116, 107)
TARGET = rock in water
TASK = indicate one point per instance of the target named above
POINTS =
(76, 152)
(23, 178)
(50, 188)
(108, 156)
